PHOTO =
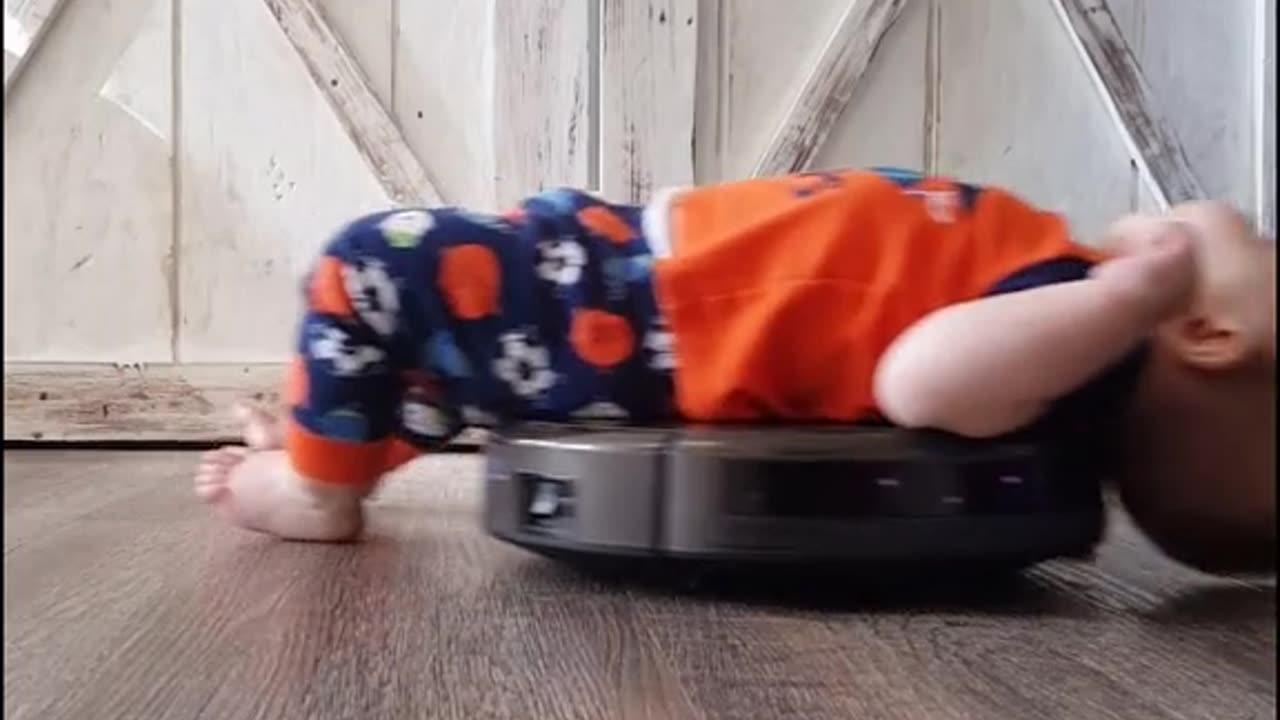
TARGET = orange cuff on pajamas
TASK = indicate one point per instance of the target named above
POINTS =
(335, 462)
(398, 453)
(783, 293)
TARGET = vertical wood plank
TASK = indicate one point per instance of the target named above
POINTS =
(1264, 118)
(884, 122)
(708, 96)
(87, 191)
(443, 98)
(932, 86)
(1056, 146)
(542, 93)
(268, 174)
(648, 59)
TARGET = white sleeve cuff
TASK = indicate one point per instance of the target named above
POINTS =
(655, 221)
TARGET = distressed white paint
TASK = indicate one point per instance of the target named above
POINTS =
(109, 402)
(884, 122)
(267, 169)
(267, 174)
(825, 92)
(1196, 58)
(131, 402)
(762, 51)
(1056, 145)
(367, 29)
(443, 93)
(647, 78)
(541, 97)
(1112, 67)
(87, 197)
(369, 126)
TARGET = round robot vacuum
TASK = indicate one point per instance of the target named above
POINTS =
(849, 495)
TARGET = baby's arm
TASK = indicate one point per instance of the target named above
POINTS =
(991, 366)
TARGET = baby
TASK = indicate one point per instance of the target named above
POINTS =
(832, 297)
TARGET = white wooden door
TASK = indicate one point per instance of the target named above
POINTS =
(172, 166)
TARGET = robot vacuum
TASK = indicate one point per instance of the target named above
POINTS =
(847, 496)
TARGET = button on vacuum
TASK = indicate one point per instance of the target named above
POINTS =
(549, 502)
(546, 500)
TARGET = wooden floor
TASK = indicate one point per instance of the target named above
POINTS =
(123, 600)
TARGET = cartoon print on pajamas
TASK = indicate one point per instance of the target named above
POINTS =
(562, 261)
(524, 365)
(659, 343)
(420, 322)
(373, 294)
(346, 359)
(405, 229)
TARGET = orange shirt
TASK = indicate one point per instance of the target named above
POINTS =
(783, 293)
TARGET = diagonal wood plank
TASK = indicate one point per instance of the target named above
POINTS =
(32, 18)
(1111, 64)
(366, 121)
(830, 84)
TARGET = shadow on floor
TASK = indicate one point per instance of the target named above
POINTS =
(993, 591)
(1242, 605)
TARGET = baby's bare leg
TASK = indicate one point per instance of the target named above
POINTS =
(280, 487)
(305, 479)
(991, 366)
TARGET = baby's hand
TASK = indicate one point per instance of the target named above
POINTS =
(1155, 264)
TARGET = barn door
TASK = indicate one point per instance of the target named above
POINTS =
(171, 166)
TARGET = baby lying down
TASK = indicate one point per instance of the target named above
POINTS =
(826, 297)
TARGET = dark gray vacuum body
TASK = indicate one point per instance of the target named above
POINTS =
(815, 495)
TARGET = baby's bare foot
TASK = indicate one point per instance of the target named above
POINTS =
(254, 486)
(259, 490)
(263, 429)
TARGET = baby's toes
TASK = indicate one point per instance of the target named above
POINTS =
(262, 429)
(211, 492)
(214, 470)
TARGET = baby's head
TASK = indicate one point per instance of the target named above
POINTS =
(1199, 470)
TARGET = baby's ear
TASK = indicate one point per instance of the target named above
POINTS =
(1209, 341)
